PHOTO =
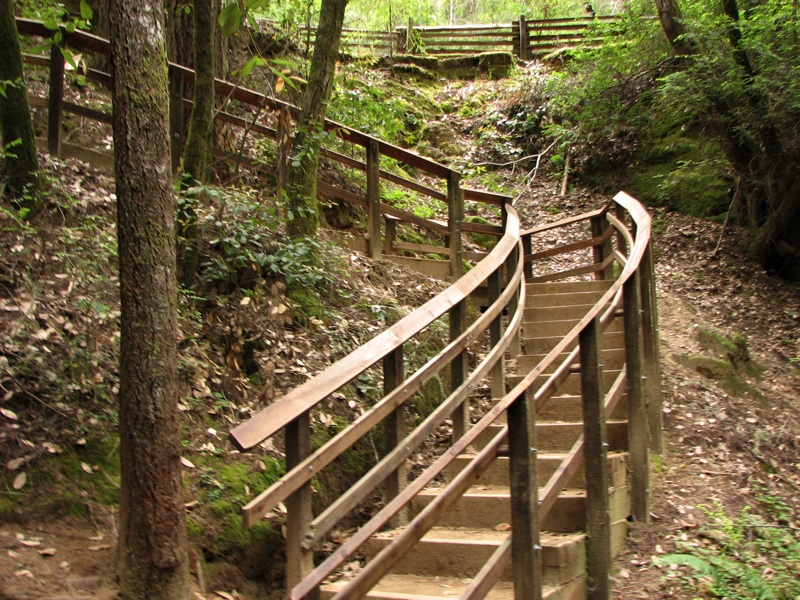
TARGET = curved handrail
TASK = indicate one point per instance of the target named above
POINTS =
(502, 272)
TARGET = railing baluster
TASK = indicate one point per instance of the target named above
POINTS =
(498, 384)
(652, 366)
(638, 443)
(299, 561)
(455, 215)
(604, 250)
(458, 369)
(55, 101)
(373, 199)
(393, 377)
(598, 529)
(526, 550)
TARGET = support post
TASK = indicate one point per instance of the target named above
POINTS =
(410, 36)
(527, 250)
(55, 101)
(393, 375)
(638, 434)
(524, 47)
(299, 561)
(390, 238)
(455, 216)
(595, 450)
(604, 250)
(526, 550)
(176, 115)
(458, 369)
(652, 365)
(373, 199)
(498, 375)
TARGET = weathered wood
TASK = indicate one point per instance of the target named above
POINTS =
(373, 199)
(55, 102)
(490, 573)
(522, 33)
(458, 369)
(299, 560)
(638, 446)
(395, 428)
(601, 252)
(598, 527)
(498, 381)
(455, 216)
(526, 550)
(652, 365)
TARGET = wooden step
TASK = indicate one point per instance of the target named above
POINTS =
(613, 358)
(571, 385)
(570, 408)
(543, 345)
(456, 552)
(497, 473)
(559, 328)
(556, 313)
(417, 587)
(567, 287)
(565, 299)
(559, 436)
(489, 507)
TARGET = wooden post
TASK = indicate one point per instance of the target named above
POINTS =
(455, 215)
(526, 550)
(527, 250)
(638, 434)
(410, 36)
(390, 238)
(55, 101)
(495, 335)
(395, 429)
(595, 449)
(373, 199)
(604, 250)
(652, 365)
(299, 561)
(176, 115)
(458, 369)
(524, 47)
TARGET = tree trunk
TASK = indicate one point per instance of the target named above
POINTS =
(672, 23)
(302, 185)
(200, 140)
(151, 554)
(20, 171)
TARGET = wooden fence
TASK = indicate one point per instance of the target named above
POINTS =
(538, 37)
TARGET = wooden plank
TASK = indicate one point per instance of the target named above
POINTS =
(373, 200)
(299, 561)
(55, 105)
(89, 113)
(598, 528)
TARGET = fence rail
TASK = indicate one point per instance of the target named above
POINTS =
(539, 37)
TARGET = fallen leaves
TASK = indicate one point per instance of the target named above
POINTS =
(20, 481)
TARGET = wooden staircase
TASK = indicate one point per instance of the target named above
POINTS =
(449, 555)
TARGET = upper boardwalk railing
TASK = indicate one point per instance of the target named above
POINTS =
(525, 38)
(612, 243)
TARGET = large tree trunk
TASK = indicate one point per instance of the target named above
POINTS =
(302, 185)
(152, 557)
(669, 14)
(20, 171)
(200, 140)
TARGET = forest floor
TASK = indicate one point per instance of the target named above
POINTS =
(732, 434)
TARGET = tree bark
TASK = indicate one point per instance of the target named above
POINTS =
(302, 185)
(669, 14)
(200, 140)
(20, 171)
(151, 553)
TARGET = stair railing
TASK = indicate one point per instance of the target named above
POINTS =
(621, 252)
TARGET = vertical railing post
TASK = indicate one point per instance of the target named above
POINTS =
(410, 36)
(527, 250)
(498, 375)
(524, 47)
(526, 550)
(638, 434)
(652, 365)
(393, 375)
(299, 561)
(455, 216)
(458, 369)
(55, 101)
(595, 450)
(373, 199)
(390, 238)
(176, 115)
(602, 251)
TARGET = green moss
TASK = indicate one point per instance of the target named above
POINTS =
(482, 239)
(193, 528)
(308, 304)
